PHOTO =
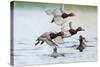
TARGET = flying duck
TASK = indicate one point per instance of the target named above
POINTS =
(48, 38)
(59, 15)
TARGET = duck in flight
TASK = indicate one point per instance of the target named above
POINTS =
(59, 15)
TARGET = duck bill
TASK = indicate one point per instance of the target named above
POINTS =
(83, 29)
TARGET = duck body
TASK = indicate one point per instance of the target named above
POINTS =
(81, 43)
(72, 31)
(68, 33)
(47, 37)
(59, 15)
(58, 20)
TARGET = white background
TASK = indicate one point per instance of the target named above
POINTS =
(5, 32)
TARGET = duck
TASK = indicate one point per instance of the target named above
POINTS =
(82, 44)
(62, 16)
(70, 32)
(59, 15)
(48, 38)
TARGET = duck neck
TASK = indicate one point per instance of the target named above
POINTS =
(68, 15)
(77, 30)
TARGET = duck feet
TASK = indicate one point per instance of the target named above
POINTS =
(55, 54)
(80, 48)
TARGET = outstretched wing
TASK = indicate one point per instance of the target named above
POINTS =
(62, 8)
(56, 11)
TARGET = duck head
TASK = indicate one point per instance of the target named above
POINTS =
(60, 33)
(80, 29)
(71, 14)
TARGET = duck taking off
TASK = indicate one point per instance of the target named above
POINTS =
(59, 15)
(71, 31)
(48, 38)
(82, 44)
